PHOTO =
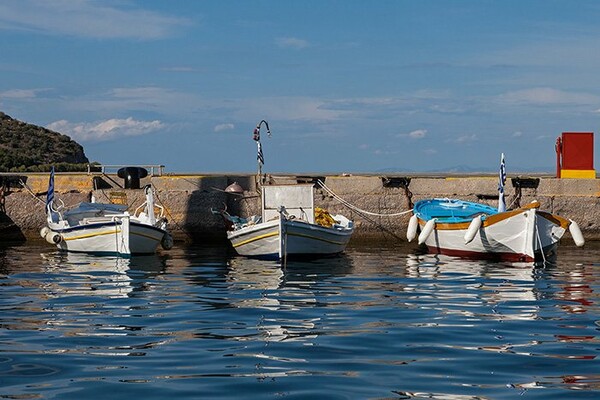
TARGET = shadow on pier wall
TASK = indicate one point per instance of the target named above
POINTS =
(200, 223)
(9, 231)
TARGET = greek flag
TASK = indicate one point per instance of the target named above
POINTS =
(501, 182)
(256, 133)
(260, 157)
(50, 195)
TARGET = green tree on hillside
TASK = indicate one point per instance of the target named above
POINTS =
(30, 148)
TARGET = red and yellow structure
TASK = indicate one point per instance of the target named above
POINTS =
(575, 155)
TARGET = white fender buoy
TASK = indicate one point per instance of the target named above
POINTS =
(576, 233)
(429, 227)
(44, 231)
(53, 237)
(473, 229)
(411, 231)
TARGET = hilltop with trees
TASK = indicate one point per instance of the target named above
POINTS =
(29, 148)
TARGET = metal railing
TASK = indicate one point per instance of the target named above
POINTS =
(153, 170)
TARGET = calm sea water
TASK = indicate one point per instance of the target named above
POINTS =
(380, 322)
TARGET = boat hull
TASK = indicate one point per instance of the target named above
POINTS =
(275, 238)
(110, 238)
(519, 235)
(260, 240)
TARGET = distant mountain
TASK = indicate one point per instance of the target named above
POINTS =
(465, 169)
(27, 147)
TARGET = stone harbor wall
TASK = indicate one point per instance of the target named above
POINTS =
(189, 199)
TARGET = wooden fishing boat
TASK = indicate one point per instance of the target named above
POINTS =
(464, 228)
(289, 225)
(104, 228)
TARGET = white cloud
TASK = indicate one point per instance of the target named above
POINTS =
(517, 134)
(466, 138)
(550, 49)
(291, 43)
(439, 102)
(384, 152)
(367, 102)
(545, 95)
(21, 94)
(285, 108)
(418, 134)
(105, 130)
(430, 152)
(139, 92)
(131, 100)
(224, 127)
(85, 18)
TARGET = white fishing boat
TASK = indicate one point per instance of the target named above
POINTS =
(289, 225)
(464, 228)
(106, 228)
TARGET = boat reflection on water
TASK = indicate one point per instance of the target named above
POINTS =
(254, 273)
(267, 286)
(96, 297)
(261, 276)
(507, 289)
(264, 288)
(440, 264)
(108, 276)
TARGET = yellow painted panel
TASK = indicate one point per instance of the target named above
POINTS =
(578, 173)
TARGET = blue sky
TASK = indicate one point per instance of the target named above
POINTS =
(346, 86)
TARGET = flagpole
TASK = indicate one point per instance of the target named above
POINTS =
(501, 182)
(50, 192)
(260, 160)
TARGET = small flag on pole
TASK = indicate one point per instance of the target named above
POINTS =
(50, 194)
(260, 157)
(256, 133)
(256, 136)
(501, 182)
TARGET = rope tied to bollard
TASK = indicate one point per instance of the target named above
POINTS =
(355, 208)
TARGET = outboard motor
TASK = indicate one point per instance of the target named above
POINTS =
(132, 176)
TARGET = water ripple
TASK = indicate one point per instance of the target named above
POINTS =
(377, 322)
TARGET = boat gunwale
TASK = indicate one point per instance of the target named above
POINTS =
(341, 231)
(491, 219)
(105, 224)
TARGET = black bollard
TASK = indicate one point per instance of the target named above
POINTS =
(132, 176)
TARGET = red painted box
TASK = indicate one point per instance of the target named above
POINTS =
(578, 150)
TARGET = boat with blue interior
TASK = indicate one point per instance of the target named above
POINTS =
(464, 228)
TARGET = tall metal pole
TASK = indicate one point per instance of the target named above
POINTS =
(259, 157)
(558, 148)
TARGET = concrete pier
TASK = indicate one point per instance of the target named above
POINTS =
(188, 199)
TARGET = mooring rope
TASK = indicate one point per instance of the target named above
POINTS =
(539, 239)
(31, 192)
(172, 219)
(353, 207)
